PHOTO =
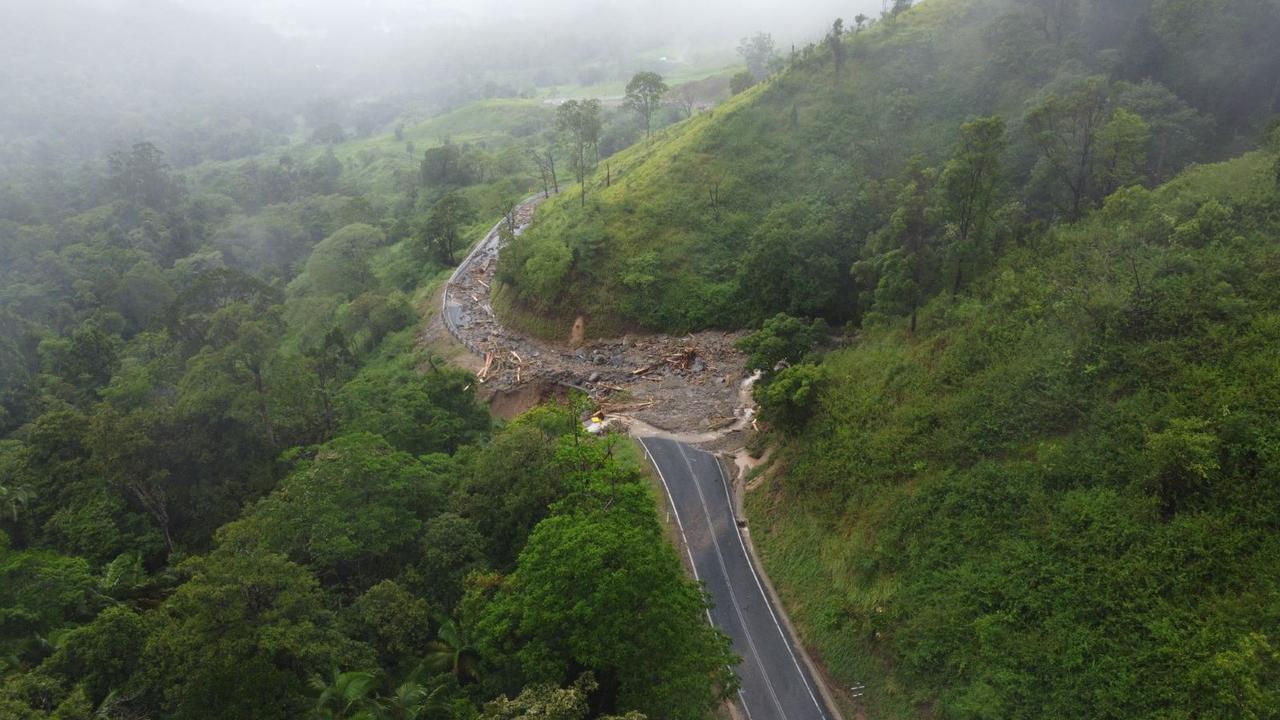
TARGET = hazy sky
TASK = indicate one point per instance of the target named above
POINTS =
(692, 19)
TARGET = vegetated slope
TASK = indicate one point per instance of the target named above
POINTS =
(232, 485)
(765, 204)
(1060, 497)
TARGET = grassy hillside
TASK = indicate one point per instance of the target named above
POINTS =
(1060, 497)
(766, 203)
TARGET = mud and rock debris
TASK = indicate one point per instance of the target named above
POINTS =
(687, 383)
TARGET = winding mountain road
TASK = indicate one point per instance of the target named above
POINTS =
(776, 680)
(776, 684)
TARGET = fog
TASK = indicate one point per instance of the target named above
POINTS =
(224, 78)
(678, 20)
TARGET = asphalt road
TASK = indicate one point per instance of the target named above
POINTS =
(776, 685)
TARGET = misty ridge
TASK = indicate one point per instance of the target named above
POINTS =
(208, 80)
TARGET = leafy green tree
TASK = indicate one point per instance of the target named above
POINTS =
(547, 269)
(333, 365)
(454, 652)
(444, 166)
(371, 317)
(789, 399)
(1057, 18)
(760, 54)
(351, 510)
(418, 412)
(970, 182)
(208, 293)
(241, 637)
(741, 82)
(1241, 682)
(1183, 461)
(793, 263)
(545, 701)
(1066, 129)
(835, 43)
(13, 498)
(441, 231)
(346, 696)
(451, 548)
(579, 121)
(339, 264)
(644, 95)
(40, 592)
(237, 375)
(900, 265)
(1178, 131)
(142, 176)
(146, 293)
(596, 588)
(394, 621)
(513, 480)
(102, 656)
(85, 361)
(782, 340)
(1122, 152)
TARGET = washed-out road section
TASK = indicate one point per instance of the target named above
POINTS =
(776, 683)
(679, 392)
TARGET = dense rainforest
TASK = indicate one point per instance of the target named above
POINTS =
(1013, 267)
(233, 484)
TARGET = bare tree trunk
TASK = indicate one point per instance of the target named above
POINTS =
(153, 499)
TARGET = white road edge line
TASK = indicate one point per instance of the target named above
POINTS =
(733, 595)
(671, 500)
(768, 603)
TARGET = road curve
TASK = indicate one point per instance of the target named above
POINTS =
(776, 685)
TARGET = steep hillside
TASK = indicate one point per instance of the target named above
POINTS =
(1060, 496)
(765, 204)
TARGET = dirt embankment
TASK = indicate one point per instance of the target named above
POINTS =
(685, 385)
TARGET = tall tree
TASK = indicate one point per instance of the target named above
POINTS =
(546, 164)
(1122, 152)
(1066, 128)
(441, 232)
(970, 182)
(899, 267)
(142, 176)
(579, 120)
(760, 54)
(835, 41)
(644, 96)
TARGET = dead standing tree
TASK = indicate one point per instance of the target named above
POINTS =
(546, 163)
